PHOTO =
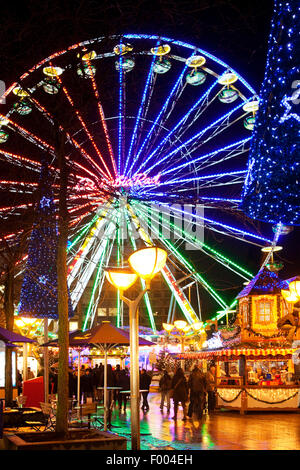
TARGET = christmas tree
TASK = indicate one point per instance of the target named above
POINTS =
(39, 289)
(271, 190)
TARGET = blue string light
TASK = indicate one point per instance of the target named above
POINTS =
(272, 186)
(39, 297)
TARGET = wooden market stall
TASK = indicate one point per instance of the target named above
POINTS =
(256, 366)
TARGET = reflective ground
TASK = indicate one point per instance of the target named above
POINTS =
(223, 430)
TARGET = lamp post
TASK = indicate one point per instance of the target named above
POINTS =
(145, 263)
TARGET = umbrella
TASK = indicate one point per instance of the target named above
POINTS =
(10, 337)
(106, 336)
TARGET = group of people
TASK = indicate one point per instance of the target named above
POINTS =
(192, 393)
(92, 384)
(197, 390)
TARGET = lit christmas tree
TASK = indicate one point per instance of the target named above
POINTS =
(272, 186)
(39, 289)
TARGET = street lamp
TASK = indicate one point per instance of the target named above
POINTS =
(145, 263)
(292, 294)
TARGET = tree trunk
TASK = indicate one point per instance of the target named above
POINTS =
(63, 327)
(9, 316)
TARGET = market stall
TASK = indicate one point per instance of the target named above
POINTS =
(257, 367)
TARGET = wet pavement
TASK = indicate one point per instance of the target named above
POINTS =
(222, 430)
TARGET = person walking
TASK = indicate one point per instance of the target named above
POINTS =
(145, 381)
(117, 372)
(124, 382)
(180, 392)
(198, 386)
(165, 385)
(211, 387)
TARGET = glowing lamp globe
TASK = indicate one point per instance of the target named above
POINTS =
(180, 324)
(294, 287)
(148, 261)
(289, 296)
(197, 326)
(121, 278)
(168, 327)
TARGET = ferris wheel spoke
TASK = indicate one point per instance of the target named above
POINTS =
(98, 285)
(102, 117)
(71, 141)
(197, 136)
(230, 228)
(179, 123)
(87, 132)
(167, 274)
(139, 114)
(194, 241)
(159, 117)
(146, 296)
(84, 274)
(236, 147)
(175, 252)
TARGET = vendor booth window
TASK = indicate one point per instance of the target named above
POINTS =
(264, 312)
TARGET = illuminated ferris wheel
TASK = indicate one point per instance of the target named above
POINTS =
(157, 133)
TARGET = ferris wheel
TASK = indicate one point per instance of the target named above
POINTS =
(157, 133)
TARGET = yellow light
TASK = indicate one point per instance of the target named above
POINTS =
(121, 278)
(4, 121)
(20, 92)
(180, 324)
(89, 56)
(294, 287)
(195, 61)
(123, 49)
(267, 249)
(52, 71)
(24, 321)
(289, 296)
(148, 261)
(227, 78)
(161, 50)
(197, 326)
(168, 327)
(186, 329)
(251, 106)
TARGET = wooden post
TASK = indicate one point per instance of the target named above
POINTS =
(46, 362)
(62, 290)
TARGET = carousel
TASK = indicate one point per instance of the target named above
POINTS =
(257, 358)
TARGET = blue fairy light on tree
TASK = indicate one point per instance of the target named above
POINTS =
(39, 289)
(272, 187)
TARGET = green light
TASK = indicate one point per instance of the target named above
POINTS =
(146, 296)
(191, 269)
(208, 248)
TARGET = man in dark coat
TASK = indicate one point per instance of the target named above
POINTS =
(145, 381)
(165, 387)
(124, 382)
(198, 388)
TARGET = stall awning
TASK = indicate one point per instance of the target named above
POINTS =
(257, 353)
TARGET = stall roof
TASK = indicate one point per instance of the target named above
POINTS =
(265, 282)
(10, 337)
(250, 353)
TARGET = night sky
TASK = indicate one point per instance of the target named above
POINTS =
(236, 31)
